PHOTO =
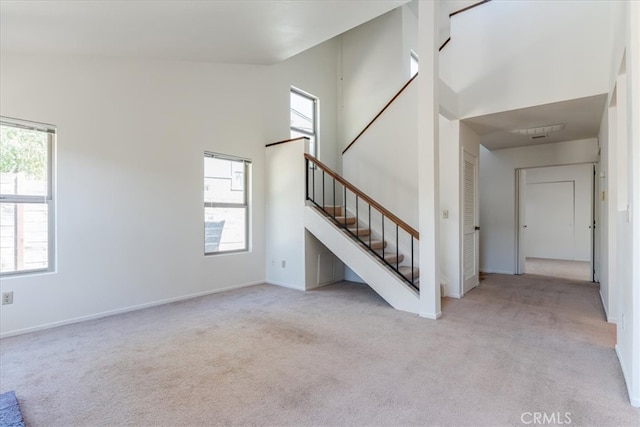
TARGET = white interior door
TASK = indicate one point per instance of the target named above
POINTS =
(550, 220)
(470, 245)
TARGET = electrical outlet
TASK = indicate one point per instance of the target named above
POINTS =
(7, 298)
(284, 264)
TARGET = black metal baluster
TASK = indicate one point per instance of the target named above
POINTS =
(369, 226)
(334, 198)
(383, 245)
(313, 185)
(306, 177)
(323, 204)
(357, 219)
(397, 249)
(412, 278)
(344, 203)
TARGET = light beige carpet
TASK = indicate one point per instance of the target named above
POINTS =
(339, 355)
(566, 269)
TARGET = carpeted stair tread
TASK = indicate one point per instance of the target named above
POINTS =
(376, 244)
(406, 272)
(359, 231)
(349, 220)
(391, 257)
(333, 210)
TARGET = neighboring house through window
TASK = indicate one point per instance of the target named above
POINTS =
(304, 118)
(226, 207)
(26, 196)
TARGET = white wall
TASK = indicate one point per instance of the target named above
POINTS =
(623, 187)
(373, 68)
(497, 194)
(285, 196)
(131, 138)
(582, 178)
(295, 258)
(383, 163)
(450, 229)
(508, 72)
(313, 71)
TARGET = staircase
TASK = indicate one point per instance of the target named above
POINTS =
(388, 255)
(374, 243)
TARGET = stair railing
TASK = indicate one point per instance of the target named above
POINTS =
(325, 189)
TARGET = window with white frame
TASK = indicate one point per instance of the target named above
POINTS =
(413, 64)
(26, 196)
(226, 203)
(304, 118)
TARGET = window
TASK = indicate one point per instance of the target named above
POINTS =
(26, 196)
(226, 208)
(414, 64)
(304, 117)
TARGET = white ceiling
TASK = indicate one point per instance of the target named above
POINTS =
(223, 31)
(581, 116)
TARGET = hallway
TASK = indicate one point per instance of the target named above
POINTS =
(565, 269)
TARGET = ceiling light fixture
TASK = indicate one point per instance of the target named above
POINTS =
(536, 132)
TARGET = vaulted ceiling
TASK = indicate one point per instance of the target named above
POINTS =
(222, 31)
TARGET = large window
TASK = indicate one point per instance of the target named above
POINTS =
(226, 207)
(26, 196)
(304, 118)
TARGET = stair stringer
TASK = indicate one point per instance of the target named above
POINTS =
(382, 280)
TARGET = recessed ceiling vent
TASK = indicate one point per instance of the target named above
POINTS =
(539, 132)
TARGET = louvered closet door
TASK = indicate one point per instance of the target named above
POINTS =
(470, 246)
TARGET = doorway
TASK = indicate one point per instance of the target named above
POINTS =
(556, 222)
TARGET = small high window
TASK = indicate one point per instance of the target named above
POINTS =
(304, 118)
(26, 196)
(226, 204)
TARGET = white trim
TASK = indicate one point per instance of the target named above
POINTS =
(284, 285)
(610, 319)
(430, 315)
(634, 402)
(508, 273)
(124, 310)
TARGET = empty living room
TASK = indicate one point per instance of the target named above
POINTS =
(319, 213)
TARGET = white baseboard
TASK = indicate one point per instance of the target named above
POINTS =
(284, 285)
(509, 273)
(604, 306)
(456, 296)
(635, 401)
(122, 310)
(431, 315)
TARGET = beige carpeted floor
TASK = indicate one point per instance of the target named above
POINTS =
(566, 269)
(339, 355)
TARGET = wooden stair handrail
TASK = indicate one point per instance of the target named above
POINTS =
(400, 223)
(380, 113)
(286, 141)
(464, 9)
(444, 44)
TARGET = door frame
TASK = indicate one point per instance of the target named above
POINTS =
(520, 218)
(476, 220)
